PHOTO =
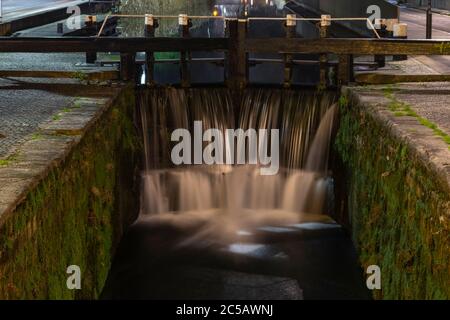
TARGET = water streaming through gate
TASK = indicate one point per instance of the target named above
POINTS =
(228, 198)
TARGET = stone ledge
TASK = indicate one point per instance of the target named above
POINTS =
(80, 117)
(430, 148)
(55, 139)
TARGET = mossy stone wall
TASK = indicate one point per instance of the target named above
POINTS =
(75, 215)
(398, 207)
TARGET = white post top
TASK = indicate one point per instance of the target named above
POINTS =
(325, 20)
(290, 20)
(91, 19)
(183, 20)
(390, 24)
(149, 20)
(400, 30)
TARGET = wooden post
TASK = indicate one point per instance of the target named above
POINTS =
(91, 57)
(380, 25)
(150, 25)
(184, 25)
(290, 26)
(400, 32)
(345, 69)
(128, 66)
(325, 22)
(237, 55)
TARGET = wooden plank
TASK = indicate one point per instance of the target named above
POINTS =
(349, 46)
(385, 78)
(110, 44)
(86, 75)
(281, 45)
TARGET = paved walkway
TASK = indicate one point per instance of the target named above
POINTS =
(416, 20)
(22, 109)
(26, 103)
(16, 9)
(429, 100)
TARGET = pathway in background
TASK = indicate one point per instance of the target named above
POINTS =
(416, 20)
(15, 9)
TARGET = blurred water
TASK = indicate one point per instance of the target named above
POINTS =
(229, 197)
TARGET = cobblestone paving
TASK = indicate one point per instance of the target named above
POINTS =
(21, 112)
(429, 100)
(24, 104)
(40, 61)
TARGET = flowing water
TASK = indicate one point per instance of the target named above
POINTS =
(232, 198)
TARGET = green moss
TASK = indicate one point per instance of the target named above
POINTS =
(10, 159)
(435, 128)
(343, 101)
(74, 215)
(167, 55)
(401, 109)
(79, 75)
(36, 136)
(397, 208)
(56, 117)
(443, 47)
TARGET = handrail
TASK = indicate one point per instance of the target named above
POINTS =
(226, 19)
(154, 16)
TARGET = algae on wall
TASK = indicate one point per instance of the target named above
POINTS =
(75, 215)
(397, 206)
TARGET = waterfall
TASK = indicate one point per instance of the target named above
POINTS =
(232, 197)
